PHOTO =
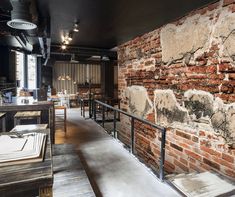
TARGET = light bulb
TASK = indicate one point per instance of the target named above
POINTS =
(63, 46)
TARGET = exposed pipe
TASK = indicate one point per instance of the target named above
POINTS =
(21, 17)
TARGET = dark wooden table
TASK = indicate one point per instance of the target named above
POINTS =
(18, 179)
(33, 106)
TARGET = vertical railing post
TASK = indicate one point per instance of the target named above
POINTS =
(81, 106)
(94, 109)
(132, 136)
(162, 161)
(115, 124)
(103, 116)
(90, 106)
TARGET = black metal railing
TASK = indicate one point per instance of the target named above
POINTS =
(102, 108)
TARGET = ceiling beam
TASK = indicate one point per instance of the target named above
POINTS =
(83, 51)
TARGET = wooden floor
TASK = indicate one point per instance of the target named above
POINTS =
(70, 178)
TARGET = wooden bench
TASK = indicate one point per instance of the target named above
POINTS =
(3, 121)
(26, 115)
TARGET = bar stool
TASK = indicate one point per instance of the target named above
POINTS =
(3, 121)
(26, 115)
(61, 111)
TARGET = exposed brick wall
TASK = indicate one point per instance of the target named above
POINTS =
(141, 63)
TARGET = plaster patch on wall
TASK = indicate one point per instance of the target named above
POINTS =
(221, 116)
(202, 111)
(223, 123)
(199, 103)
(139, 102)
(225, 33)
(177, 41)
(167, 109)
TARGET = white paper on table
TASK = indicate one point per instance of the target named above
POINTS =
(9, 145)
(31, 149)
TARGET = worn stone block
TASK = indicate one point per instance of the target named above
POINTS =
(139, 102)
(167, 109)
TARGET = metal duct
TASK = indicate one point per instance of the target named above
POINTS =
(20, 15)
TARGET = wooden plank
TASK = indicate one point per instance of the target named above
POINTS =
(27, 114)
(70, 178)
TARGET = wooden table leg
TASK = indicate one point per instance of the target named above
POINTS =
(46, 192)
(4, 124)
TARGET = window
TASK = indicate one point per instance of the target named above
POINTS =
(20, 75)
(32, 71)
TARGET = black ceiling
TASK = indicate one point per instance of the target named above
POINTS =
(105, 24)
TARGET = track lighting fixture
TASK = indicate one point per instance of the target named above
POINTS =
(75, 28)
(70, 36)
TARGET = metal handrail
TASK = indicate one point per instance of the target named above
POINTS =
(133, 118)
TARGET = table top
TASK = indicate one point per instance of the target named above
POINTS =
(23, 177)
(18, 106)
(29, 127)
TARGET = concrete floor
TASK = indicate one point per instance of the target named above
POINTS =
(112, 171)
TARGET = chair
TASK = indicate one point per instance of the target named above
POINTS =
(27, 115)
(61, 111)
(3, 121)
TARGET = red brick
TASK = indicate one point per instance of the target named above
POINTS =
(232, 7)
(224, 163)
(169, 167)
(193, 155)
(176, 147)
(182, 166)
(227, 2)
(213, 6)
(185, 162)
(232, 76)
(202, 133)
(210, 151)
(170, 153)
(192, 160)
(230, 173)
(211, 164)
(195, 167)
(184, 145)
(228, 158)
(183, 135)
